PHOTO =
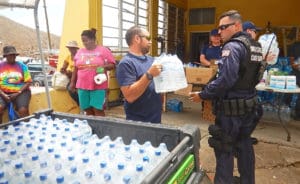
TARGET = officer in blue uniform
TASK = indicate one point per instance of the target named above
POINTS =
(235, 103)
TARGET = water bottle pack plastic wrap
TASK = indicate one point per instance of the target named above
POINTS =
(57, 151)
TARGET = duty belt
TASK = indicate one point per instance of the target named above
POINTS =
(236, 107)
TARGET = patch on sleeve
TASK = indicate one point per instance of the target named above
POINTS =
(225, 53)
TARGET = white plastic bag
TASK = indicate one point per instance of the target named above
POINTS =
(269, 46)
(172, 77)
(60, 81)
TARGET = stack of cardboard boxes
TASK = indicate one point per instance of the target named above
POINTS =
(199, 76)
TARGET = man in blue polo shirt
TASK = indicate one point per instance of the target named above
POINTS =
(135, 74)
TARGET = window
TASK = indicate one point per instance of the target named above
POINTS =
(198, 16)
(118, 17)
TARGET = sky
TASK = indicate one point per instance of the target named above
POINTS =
(55, 11)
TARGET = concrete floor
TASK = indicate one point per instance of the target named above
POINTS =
(277, 160)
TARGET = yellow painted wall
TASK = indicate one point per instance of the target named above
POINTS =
(76, 19)
(60, 102)
(278, 12)
(178, 3)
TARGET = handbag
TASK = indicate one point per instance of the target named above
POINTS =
(12, 114)
(60, 81)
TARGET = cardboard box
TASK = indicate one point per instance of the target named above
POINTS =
(199, 75)
(207, 111)
(185, 91)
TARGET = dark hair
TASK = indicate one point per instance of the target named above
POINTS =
(90, 33)
(233, 15)
(131, 32)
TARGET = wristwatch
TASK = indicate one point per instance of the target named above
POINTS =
(149, 76)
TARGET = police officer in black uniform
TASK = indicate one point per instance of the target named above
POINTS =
(235, 103)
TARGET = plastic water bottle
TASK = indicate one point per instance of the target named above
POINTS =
(28, 178)
(285, 113)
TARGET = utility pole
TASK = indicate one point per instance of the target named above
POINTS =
(47, 24)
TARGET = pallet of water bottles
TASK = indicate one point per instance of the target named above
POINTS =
(53, 147)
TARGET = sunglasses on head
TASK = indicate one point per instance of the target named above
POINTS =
(146, 37)
(225, 26)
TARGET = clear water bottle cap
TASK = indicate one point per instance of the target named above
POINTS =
(5, 132)
(88, 174)
(1, 174)
(42, 139)
(146, 159)
(98, 143)
(7, 161)
(43, 177)
(56, 155)
(50, 150)
(13, 152)
(112, 145)
(2, 149)
(60, 179)
(40, 147)
(142, 150)
(73, 169)
(157, 152)
(18, 165)
(107, 177)
(121, 166)
(28, 145)
(28, 174)
(35, 157)
(139, 167)
(20, 137)
(6, 141)
(126, 179)
(71, 157)
(127, 148)
(4, 181)
(85, 160)
(103, 164)
(17, 129)
(43, 164)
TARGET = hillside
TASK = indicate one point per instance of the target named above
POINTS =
(23, 38)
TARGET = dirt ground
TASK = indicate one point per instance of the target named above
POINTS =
(277, 160)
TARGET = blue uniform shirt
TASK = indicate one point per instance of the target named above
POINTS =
(232, 54)
(148, 107)
(211, 52)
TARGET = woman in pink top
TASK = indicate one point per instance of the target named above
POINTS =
(90, 74)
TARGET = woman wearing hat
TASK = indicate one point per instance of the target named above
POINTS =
(68, 67)
(15, 80)
(212, 51)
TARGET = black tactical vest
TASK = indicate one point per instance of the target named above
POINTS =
(251, 67)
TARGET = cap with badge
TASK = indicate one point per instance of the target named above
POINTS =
(9, 50)
(72, 44)
(214, 32)
(250, 25)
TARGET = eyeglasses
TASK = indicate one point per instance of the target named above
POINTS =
(225, 26)
(253, 30)
(146, 37)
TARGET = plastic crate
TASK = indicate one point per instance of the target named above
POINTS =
(180, 141)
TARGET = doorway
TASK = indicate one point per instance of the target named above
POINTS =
(198, 40)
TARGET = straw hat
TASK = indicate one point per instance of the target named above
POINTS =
(72, 43)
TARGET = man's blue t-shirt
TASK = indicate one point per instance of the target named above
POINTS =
(148, 107)
(211, 52)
